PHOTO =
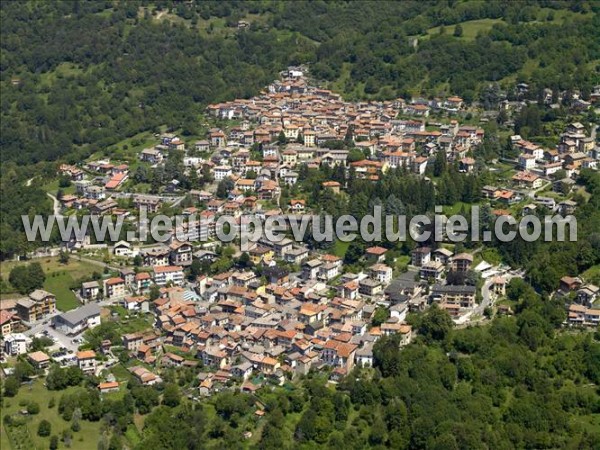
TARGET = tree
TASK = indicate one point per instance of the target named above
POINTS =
(44, 428)
(33, 408)
(458, 30)
(281, 139)
(380, 315)
(224, 187)
(435, 324)
(171, 395)
(354, 252)
(27, 278)
(154, 292)
(440, 163)
(63, 258)
(11, 386)
(53, 442)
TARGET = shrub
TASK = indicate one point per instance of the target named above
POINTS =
(33, 408)
(44, 428)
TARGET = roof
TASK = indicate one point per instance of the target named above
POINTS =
(39, 357)
(80, 314)
(108, 385)
(166, 269)
(39, 295)
(376, 250)
(86, 354)
(116, 280)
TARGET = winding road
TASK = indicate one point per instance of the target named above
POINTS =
(56, 205)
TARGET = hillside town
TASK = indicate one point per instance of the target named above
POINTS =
(285, 308)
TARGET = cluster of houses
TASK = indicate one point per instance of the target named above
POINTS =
(581, 310)
(241, 325)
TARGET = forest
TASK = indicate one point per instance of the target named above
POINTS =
(78, 77)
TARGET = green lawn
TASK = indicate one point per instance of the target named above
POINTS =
(340, 248)
(456, 208)
(58, 283)
(86, 438)
(402, 263)
(470, 28)
(592, 275)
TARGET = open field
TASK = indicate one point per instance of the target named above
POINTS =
(58, 278)
(58, 283)
(86, 438)
(471, 28)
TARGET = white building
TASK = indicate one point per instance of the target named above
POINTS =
(77, 320)
(222, 172)
(164, 275)
(16, 344)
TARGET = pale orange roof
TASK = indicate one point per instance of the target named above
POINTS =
(86, 354)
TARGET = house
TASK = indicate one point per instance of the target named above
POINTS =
(142, 281)
(116, 181)
(420, 256)
(158, 256)
(568, 284)
(432, 270)
(588, 294)
(296, 255)
(39, 305)
(86, 361)
(463, 296)
(78, 319)
(528, 180)
(461, 262)
(213, 357)
(381, 273)
(310, 269)
(123, 249)
(16, 344)
(90, 290)
(151, 156)
(132, 341)
(147, 202)
(144, 376)
(8, 321)
(364, 355)
(526, 162)
(168, 274)
(222, 172)
(108, 386)
(180, 253)
(566, 207)
(339, 354)
(466, 165)
(172, 360)
(376, 254)
(217, 138)
(139, 303)
(333, 185)
(242, 370)
(39, 360)
(114, 288)
(442, 255)
(202, 146)
(369, 287)
(297, 205)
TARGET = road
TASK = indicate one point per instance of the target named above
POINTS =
(56, 205)
(60, 339)
(486, 299)
(96, 263)
(533, 192)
